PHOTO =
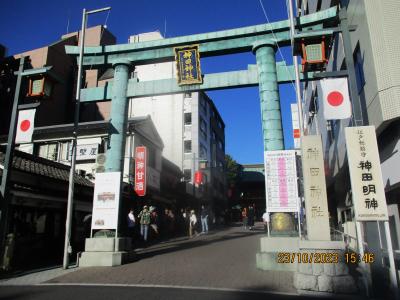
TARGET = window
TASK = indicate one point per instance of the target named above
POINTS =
(188, 118)
(48, 151)
(187, 174)
(359, 69)
(187, 146)
(203, 151)
(214, 136)
(203, 105)
(219, 124)
(151, 157)
(203, 128)
(220, 145)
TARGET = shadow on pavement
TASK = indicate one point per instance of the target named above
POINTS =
(198, 241)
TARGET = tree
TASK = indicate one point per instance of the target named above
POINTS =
(233, 170)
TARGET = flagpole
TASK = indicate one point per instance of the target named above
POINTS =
(5, 185)
(74, 143)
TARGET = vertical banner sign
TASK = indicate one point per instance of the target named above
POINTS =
(281, 181)
(25, 126)
(106, 200)
(296, 125)
(315, 189)
(187, 60)
(365, 174)
(335, 98)
(140, 170)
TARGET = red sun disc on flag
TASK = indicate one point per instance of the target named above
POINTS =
(335, 98)
(25, 124)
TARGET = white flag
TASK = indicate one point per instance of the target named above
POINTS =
(335, 98)
(25, 125)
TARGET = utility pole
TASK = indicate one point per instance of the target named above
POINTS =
(5, 180)
(75, 136)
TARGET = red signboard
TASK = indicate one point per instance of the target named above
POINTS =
(140, 170)
(198, 177)
(296, 133)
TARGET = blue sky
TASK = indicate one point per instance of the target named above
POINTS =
(27, 25)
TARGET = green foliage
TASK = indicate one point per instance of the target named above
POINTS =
(233, 170)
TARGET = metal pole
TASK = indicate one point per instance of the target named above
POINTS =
(193, 171)
(74, 142)
(296, 71)
(361, 251)
(393, 278)
(4, 188)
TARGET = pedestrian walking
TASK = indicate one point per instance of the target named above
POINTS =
(250, 217)
(265, 218)
(244, 217)
(154, 220)
(131, 223)
(204, 219)
(144, 217)
(192, 223)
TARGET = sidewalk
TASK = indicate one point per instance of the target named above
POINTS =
(36, 276)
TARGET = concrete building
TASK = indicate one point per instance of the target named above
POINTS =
(189, 125)
(376, 46)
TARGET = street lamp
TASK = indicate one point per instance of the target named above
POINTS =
(75, 136)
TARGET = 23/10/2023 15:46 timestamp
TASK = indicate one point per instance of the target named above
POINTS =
(353, 258)
(305, 257)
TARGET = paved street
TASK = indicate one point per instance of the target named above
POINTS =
(127, 292)
(222, 259)
(220, 265)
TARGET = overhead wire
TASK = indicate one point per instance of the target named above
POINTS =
(276, 41)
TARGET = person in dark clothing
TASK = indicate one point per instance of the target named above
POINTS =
(250, 217)
(204, 219)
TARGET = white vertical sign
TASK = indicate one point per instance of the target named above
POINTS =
(281, 181)
(315, 188)
(365, 174)
(106, 200)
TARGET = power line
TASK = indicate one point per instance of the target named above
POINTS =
(276, 41)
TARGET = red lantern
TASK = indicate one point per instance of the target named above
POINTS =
(198, 177)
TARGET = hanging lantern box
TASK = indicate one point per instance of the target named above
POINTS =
(40, 86)
(314, 53)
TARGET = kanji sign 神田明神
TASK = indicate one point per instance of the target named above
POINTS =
(365, 174)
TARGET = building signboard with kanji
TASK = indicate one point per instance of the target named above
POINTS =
(315, 188)
(365, 174)
(187, 60)
(140, 170)
(281, 181)
(85, 152)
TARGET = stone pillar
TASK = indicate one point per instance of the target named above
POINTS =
(269, 95)
(270, 105)
(117, 127)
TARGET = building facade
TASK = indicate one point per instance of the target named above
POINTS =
(375, 45)
(190, 126)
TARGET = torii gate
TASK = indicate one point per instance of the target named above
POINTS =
(262, 40)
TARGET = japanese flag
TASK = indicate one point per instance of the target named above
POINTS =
(25, 126)
(335, 98)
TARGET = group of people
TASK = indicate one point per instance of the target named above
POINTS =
(248, 216)
(169, 224)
